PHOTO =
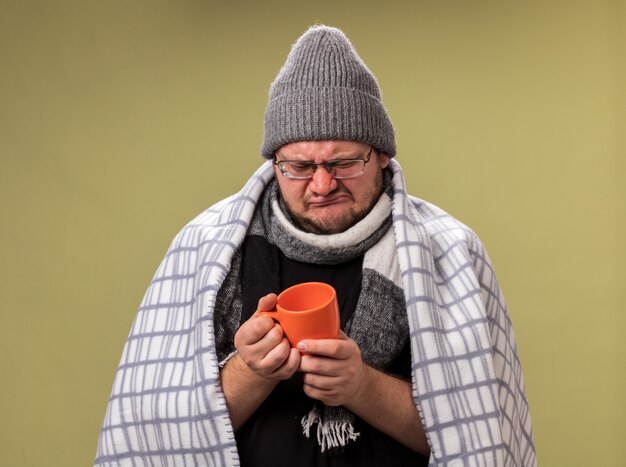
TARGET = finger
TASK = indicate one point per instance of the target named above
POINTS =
(253, 330)
(320, 365)
(277, 356)
(271, 339)
(334, 348)
(327, 397)
(254, 354)
(267, 303)
(320, 382)
(290, 366)
(261, 325)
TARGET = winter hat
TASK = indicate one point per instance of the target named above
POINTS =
(324, 91)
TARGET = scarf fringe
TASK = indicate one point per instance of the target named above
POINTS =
(330, 433)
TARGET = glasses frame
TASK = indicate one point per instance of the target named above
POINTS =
(328, 165)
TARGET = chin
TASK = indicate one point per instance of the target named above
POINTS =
(330, 224)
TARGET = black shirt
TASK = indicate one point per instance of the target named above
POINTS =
(272, 436)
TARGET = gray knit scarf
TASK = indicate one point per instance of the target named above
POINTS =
(379, 324)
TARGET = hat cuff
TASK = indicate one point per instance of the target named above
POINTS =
(327, 113)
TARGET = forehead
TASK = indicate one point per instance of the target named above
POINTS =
(322, 149)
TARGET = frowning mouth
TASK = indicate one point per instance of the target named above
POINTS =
(328, 201)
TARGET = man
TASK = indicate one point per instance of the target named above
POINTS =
(425, 371)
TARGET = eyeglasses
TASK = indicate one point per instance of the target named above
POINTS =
(338, 168)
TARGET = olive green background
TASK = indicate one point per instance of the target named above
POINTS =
(122, 120)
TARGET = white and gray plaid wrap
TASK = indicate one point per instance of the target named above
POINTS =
(167, 407)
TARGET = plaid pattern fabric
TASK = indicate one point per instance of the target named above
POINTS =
(167, 407)
(467, 379)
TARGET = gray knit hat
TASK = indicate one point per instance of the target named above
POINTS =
(325, 92)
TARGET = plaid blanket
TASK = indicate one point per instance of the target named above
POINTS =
(167, 407)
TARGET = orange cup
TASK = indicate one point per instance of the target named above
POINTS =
(307, 311)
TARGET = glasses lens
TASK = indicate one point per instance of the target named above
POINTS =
(297, 169)
(348, 168)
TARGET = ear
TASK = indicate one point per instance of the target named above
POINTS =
(383, 160)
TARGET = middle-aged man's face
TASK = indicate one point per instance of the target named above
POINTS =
(322, 204)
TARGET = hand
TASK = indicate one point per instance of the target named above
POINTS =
(262, 346)
(333, 369)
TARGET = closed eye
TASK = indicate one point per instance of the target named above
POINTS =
(300, 166)
(344, 164)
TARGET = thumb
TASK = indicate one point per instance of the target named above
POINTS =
(267, 302)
